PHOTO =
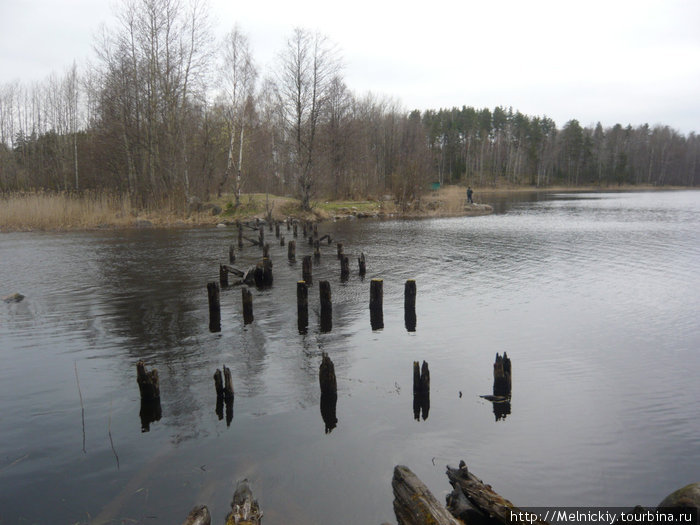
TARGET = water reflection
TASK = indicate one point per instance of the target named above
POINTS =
(421, 405)
(150, 413)
(328, 405)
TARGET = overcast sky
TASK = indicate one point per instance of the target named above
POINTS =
(626, 61)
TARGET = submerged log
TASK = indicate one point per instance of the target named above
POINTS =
(414, 504)
(198, 516)
(244, 508)
(489, 502)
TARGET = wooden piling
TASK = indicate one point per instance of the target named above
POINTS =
(317, 250)
(240, 235)
(266, 250)
(324, 289)
(223, 276)
(214, 307)
(311, 240)
(502, 376)
(344, 267)
(261, 235)
(316, 230)
(340, 250)
(328, 411)
(219, 383)
(287, 221)
(303, 228)
(410, 305)
(302, 306)
(247, 297)
(269, 221)
(306, 267)
(326, 376)
(421, 378)
(228, 384)
(362, 265)
(231, 254)
(149, 385)
(291, 250)
(295, 230)
(282, 240)
(375, 304)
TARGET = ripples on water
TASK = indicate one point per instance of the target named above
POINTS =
(593, 296)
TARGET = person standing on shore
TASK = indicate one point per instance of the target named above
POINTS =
(470, 193)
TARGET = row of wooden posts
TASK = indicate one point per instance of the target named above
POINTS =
(149, 388)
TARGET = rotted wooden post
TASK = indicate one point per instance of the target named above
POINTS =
(311, 240)
(287, 221)
(324, 289)
(266, 250)
(302, 306)
(340, 250)
(362, 265)
(316, 230)
(214, 307)
(295, 230)
(291, 250)
(409, 304)
(223, 276)
(317, 249)
(269, 221)
(376, 308)
(303, 228)
(502, 376)
(149, 385)
(231, 254)
(306, 267)
(247, 297)
(261, 235)
(240, 235)
(282, 240)
(344, 268)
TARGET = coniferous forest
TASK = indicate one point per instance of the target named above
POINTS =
(165, 113)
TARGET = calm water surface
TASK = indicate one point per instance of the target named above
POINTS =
(595, 297)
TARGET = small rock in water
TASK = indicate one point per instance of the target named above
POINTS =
(13, 298)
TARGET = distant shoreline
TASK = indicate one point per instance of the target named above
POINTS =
(65, 212)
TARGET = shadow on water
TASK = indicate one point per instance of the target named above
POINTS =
(328, 406)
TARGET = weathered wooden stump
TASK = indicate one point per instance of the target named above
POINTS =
(306, 268)
(266, 250)
(269, 221)
(317, 250)
(295, 230)
(263, 273)
(344, 267)
(302, 306)
(240, 235)
(326, 376)
(287, 222)
(261, 235)
(282, 240)
(291, 250)
(247, 297)
(340, 250)
(303, 229)
(231, 254)
(362, 265)
(376, 308)
(502, 376)
(324, 289)
(244, 508)
(410, 305)
(149, 386)
(150, 412)
(277, 229)
(311, 240)
(214, 307)
(223, 276)
(316, 230)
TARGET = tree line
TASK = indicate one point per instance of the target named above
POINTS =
(165, 114)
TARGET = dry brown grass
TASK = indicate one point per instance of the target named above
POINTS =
(63, 211)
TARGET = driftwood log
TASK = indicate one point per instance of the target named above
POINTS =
(414, 504)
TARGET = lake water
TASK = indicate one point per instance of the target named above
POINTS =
(595, 298)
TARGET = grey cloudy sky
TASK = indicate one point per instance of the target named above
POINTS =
(626, 61)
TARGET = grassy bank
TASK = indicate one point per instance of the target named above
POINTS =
(64, 211)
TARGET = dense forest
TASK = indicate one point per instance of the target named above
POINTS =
(165, 114)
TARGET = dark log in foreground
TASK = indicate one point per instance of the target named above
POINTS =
(247, 297)
(324, 290)
(214, 307)
(244, 508)
(491, 504)
(223, 276)
(414, 504)
(198, 516)
(291, 250)
(328, 411)
(231, 254)
(362, 264)
(306, 267)
(326, 376)
(409, 303)
(302, 306)
(149, 386)
(376, 309)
